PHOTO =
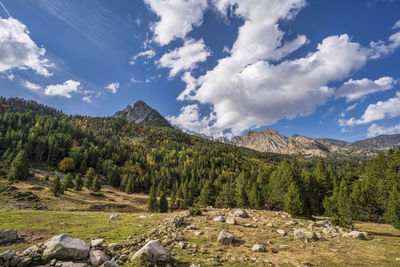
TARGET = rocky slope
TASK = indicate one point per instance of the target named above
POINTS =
(270, 140)
(142, 114)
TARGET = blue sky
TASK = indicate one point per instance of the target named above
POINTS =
(219, 67)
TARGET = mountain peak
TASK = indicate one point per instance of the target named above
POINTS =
(143, 114)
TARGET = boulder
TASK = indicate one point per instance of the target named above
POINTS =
(114, 217)
(97, 243)
(225, 237)
(241, 213)
(356, 235)
(302, 234)
(219, 219)
(258, 248)
(66, 247)
(191, 227)
(98, 257)
(281, 232)
(110, 264)
(8, 236)
(231, 220)
(154, 252)
(198, 233)
(74, 264)
(7, 255)
(25, 262)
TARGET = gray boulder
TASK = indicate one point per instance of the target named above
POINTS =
(231, 220)
(356, 235)
(302, 234)
(7, 255)
(154, 252)
(8, 236)
(66, 247)
(97, 243)
(114, 217)
(241, 213)
(219, 219)
(98, 257)
(110, 264)
(225, 237)
(258, 248)
(74, 264)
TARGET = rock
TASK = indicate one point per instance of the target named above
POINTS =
(302, 234)
(154, 252)
(114, 217)
(8, 236)
(198, 233)
(270, 225)
(113, 245)
(191, 227)
(26, 261)
(7, 255)
(110, 264)
(258, 248)
(219, 219)
(14, 261)
(283, 246)
(231, 220)
(98, 257)
(250, 225)
(65, 247)
(356, 235)
(182, 245)
(97, 243)
(281, 232)
(241, 213)
(73, 264)
(225, 237)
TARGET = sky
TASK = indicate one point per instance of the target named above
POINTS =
(318, 68)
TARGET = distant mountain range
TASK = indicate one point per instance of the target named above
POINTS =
(270, 140)
(142, 114)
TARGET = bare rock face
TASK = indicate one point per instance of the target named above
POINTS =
(66, 247)
(8, 236)
(154, 252)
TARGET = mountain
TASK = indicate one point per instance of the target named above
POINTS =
(270, 140)
(140, 113)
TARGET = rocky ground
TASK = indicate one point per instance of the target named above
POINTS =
(217, 237)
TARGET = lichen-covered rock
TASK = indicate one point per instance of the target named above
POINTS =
(66, 247)
(110, 264)
(74, 264)
(241, 213)
(356, 235)
(7, 255)
(302, 234)
(154, 252)
(8, 236)
(231, 220)
(225, 237)
(98, 257)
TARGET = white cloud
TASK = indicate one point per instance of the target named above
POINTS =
(396, 25)
(113, 87)
(185, 57)
(64, 89)
(356, 89)
(177, 18)
(32, 86)
(189, 118)
(88, 99)
(133, 80)
(148, 54)
(375, 130)
(19, 51)
(378, 111)
(381, 48)
(10, 77)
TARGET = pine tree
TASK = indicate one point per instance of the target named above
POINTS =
(293, 202)
(255, 197)
(163, 203)
(56, 187)
(130, 186)
(225, 199)
(96, 184)
(152, 202)
(241, 197)
(89, 177)
(19, 169)
(344, 214)
(78, 183)
(68, 182)
(393, 210)
(173, 201)
(206, 197)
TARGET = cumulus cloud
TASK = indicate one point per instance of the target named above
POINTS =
(64, 89)
(88, 99)
(382, 48)
(19, 51)
(185, 57)
(177, 18)
(255, 85)
(396, 25)
(32, 86)
(374, 112)
(113, 87)
(189, 118)
(148, 54)
(375, 130)
(356, 89)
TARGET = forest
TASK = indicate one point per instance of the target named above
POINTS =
(182, 171)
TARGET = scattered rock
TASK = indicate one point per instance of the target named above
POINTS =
(270, 225)
(198, 233)
(231, 220)
(283, 246)
(97, 243)
(98, 257)
(219, 219)
(302, 234)
(114, 217)
(8, 236)
(191, 227)
(7, 255)
(65, 247)
(154, 252)
(258, 248)
(356, 235)
(110, 264)
(241, 213)
(281, 232)
(225, 237)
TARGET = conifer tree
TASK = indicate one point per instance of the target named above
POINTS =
(255, 197)
(96, 184)
(56, 187)
(393, 209)
(78, 183)
(152, 202)
(19, 169)
(293, 202)
(206, 197)
(89, 177)
(344, 214)
(68, 182)
(173, 201)
(163, 203)
(241, 197)
(225, 198)
(130, 186)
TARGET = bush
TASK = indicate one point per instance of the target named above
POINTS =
(66, 165)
